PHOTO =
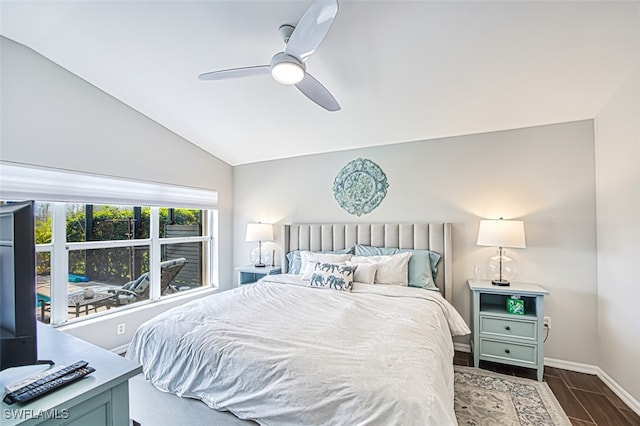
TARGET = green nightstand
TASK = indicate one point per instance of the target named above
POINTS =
(499, 336)
(250, 274)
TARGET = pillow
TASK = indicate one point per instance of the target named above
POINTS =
(309, 259)
(421, 274)
(332, 275)
(422, 265)
(391, 270)
(294, 262)
(365, 272)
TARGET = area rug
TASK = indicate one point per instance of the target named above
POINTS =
(484, 398)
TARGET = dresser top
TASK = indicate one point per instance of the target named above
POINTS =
(65, 349)
(516, 287)
(267, 270)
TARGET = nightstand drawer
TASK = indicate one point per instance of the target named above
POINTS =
(507, 351)
(508, 327)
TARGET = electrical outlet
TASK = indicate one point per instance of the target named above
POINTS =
(120, 329)
(547, 322)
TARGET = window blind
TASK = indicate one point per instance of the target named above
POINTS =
(54, 185)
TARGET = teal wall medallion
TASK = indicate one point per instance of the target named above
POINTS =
(360, 186)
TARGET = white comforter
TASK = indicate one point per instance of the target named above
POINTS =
(286, 354)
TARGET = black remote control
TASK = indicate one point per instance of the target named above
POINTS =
(53, 381)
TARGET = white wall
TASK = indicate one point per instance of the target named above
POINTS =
(52, 118)
(618, 193)
(542, 175)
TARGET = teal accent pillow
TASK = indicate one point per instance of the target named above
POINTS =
(294, 261)
(423, 265)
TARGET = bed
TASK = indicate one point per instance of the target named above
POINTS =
(287, 352)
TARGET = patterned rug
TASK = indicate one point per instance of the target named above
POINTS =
(486, 398)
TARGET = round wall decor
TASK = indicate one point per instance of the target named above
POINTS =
(360, 186)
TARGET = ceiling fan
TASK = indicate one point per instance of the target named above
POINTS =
(289, 67)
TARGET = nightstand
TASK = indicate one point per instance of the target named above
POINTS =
(250, 274)
(506, 338)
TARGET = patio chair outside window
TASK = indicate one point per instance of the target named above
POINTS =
(138, 289)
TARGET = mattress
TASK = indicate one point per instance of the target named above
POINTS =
(282, 353)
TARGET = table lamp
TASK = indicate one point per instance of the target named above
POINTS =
(259, 232)
(501, 233)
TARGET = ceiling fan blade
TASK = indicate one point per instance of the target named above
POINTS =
(312, 29)
(319, 94)
(235, 73)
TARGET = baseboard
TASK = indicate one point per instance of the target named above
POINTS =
(120, 350)
(571, 366)
(579, 368)
(462, 347)
(619, 391)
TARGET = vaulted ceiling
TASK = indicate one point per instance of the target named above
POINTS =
(401, 70)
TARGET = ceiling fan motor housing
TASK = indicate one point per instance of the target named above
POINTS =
(285, 32)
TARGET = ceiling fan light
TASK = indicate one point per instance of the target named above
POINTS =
(287, 72)
(287, 69)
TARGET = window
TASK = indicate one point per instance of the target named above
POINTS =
(95, 258)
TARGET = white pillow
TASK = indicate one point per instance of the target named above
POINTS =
(308, 260)
(307, 270)
(366, 272)
(392, 270)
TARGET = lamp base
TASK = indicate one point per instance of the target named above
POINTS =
(260, 256)
(502, 283)
(259, 265)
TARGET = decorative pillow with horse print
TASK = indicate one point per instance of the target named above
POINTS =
(333, 276)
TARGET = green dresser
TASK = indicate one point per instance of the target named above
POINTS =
(499, 336)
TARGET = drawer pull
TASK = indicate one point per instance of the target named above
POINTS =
(507, 351)
(507, 328)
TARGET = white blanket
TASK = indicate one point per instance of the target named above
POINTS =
(287, 354)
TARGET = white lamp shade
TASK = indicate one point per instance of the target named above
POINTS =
(501, 233)
(259, 232)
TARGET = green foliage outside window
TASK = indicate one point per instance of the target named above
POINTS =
(116, 223)
(43, 236)
(110, 223)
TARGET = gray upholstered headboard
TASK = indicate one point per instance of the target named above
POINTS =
(328, 236)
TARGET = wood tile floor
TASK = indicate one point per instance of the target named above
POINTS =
(585, 398)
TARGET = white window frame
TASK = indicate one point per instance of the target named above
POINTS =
(60, 187)
(59, 259)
